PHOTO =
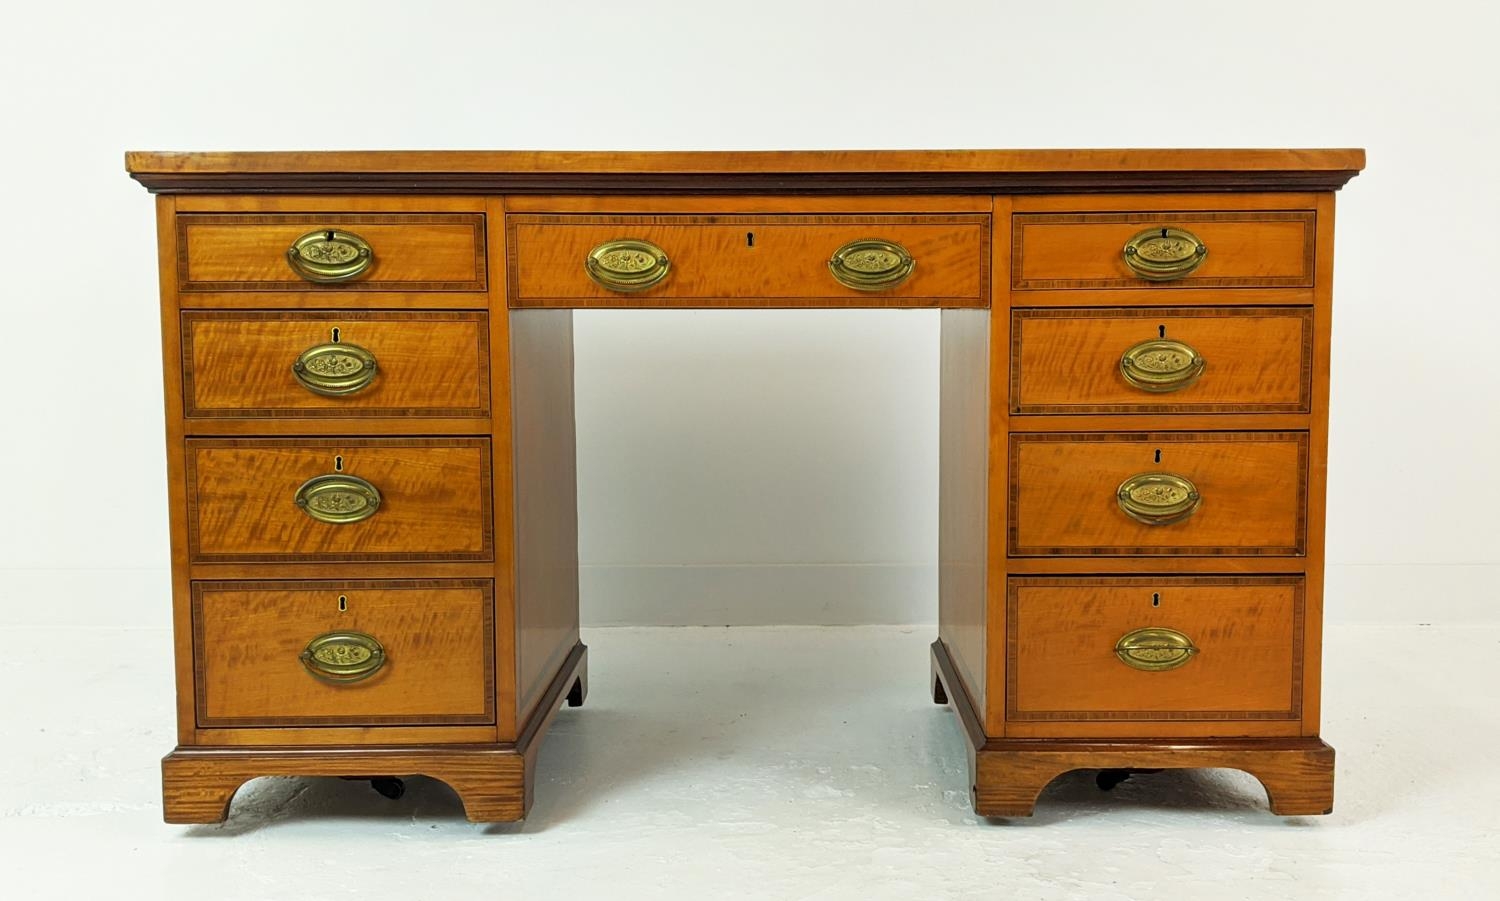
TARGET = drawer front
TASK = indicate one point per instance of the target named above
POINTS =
(718, 259)
(406, 252)
(343, 653)
(1205, 493)
(264, 500)
(1154, 648)
(1161, 360)
(1251, 249)
(288, 364)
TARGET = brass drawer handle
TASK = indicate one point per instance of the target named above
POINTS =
(338, 498)
(335, 370)
(1160, 366)
(1164, 254)
(627, 265)
(328, 255)
(1155, 649)
(1158, 498)
(343, 657)
(870, 264)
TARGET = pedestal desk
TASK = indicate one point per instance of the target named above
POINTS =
(369, 418)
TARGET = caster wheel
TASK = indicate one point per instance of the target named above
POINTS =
(389, 786)
(1108, 779)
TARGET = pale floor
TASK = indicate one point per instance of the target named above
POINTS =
(758, 763)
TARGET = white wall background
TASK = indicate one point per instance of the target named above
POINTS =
(765, 467)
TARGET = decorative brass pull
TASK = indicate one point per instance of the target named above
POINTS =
(870, 264)
(338, 498)
(627, 265)
(1160, 366)
(328, 255)
(1155, 649)
(1164, 254)
(343, 657)
(1158, 498)
(334, 369)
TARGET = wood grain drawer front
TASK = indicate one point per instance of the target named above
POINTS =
(1245, 633)
(1253, 359)
(434, 639)
(1065, 493)
(749, 260)
(1250, 249)
(409, 251)
(419, 364)
(433, 500)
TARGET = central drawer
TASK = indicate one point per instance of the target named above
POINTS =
(343, 653)
(284, 500)
(1122, 494)
(941, 259)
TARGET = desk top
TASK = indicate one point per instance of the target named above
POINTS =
(743, 172)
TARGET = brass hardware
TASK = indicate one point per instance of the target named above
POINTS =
(343, 657)
(627, 265)
(334, 370)
(1164, 254)
(328, 255)
(871, 265)
(1158, 498)
(1155, 649)
(1160, 366)
(338, 498)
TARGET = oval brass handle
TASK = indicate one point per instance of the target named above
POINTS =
(870, 264)
(343, 657)
(1161, 365)
(1158, 498)
(338, 498)
(627, 265)
(1164, 254)
(1155, 649)
(334, 370)
(329, 255)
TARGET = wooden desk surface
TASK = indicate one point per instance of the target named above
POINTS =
(805, 171)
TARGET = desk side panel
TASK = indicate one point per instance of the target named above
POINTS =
(546, 499)
(963, 442)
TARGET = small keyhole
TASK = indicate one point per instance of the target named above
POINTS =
(338, 462)
(1156, 599)
(1158, 455)
(1163, 233)
(1161, 331)
(335, 334)
(343, 603)
(749, 239)
(329, 234)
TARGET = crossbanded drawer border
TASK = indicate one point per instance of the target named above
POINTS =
(486, 500)
(200, 700)
(1018, 315)
(1308, 218)
(186, 285)
(1013, 547)
(189, 396)
(1013, 584)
